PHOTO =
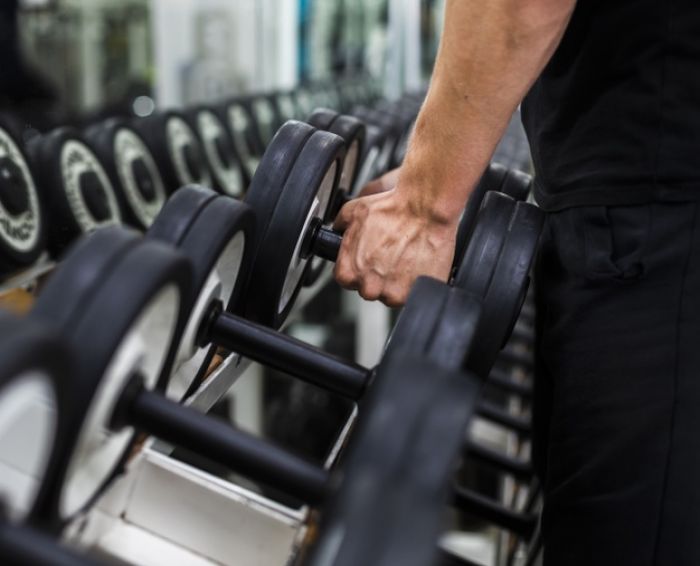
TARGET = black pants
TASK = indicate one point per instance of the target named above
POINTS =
(617, 411)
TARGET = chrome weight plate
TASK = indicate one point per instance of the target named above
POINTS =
(33, 362)
(214, 233)
(22, 223)
(139, 293)
(76, 187)
(139, 185)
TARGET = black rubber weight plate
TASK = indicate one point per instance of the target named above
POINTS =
(218, 239)
(270, 176)
(491, 180)
(322, 118)
(352, 131)
(517, 184)
(179, 213)
(29, 350)
(432, 407)
(80, 274)
(271, 293)
(22, 230)
(481, 256)
(508, 287)
(139, 277)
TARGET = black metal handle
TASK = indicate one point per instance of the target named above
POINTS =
(239, 451)
(522, 524)
(321, 242)
(288, 355)
(517, 467)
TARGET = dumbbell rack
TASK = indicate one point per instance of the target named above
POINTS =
(164, 511)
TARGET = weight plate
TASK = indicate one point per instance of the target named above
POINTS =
(278, 267)
(129, 163)
(475, 271)
(322, 118)
(22, 223)
(263, 118)
(370, 167)
(215, 240)
(400, 469)
(177, 215)
(219, 152)
(517, 184)
(491, 180)
(33, 363)
(508, 287)
(438, 323)
(140, 297)
(352, 131)
(239, 122)
(286, 106)
(176, 148)
(275, 166)
(75, 185)
(390, 132)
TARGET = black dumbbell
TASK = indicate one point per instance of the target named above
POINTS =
(216, 234)
(406, 475)
(219, 151)
(264, 117)
(23, 229)
(176, 148)
(138, 183)
(73, 184)
(391, 132)
(138, 285)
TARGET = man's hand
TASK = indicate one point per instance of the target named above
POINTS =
(382, 184)
(387, 244)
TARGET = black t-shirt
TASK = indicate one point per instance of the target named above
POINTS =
(615, 116)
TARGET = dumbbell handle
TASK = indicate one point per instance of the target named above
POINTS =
(321, 242)
(522, 524)
(20, 545)
(285, 353)
(237, 450)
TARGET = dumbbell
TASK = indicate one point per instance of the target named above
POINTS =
(131, 168)
(405, 475)
(216, 235)
(139, 286)
(176, 149)
(23, 230)
(391, 134)
(352, 131)
(33, 362)
(239, 121)
(511, 182)
(219, 151)
(73, 184)
(264, 117)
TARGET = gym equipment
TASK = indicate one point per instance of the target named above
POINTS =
(73, 184)
(496, 267)
(31, 429)
(265, 117)
(511, 182)
(117, 369)
(116, 300)
(391, 133)
(219, 151)
(389, 509)
(139, 186)
(22, 224)
(215, 233)
(176, 149)
(239, 121)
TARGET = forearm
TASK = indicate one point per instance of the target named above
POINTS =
(490, 55)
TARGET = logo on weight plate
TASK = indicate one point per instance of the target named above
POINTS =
(128, 148)
(76, 160)
(20, 231)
